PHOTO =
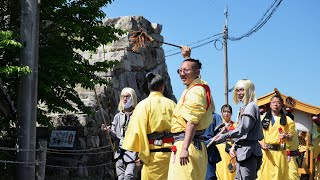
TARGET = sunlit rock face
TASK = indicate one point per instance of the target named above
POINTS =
(129, 72)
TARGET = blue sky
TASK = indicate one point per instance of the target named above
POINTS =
(283, 54)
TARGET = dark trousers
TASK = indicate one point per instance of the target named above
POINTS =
(247, 169)
(211, 171)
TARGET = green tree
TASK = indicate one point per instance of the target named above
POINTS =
(8, 46)
(65, 26)
(9, 68)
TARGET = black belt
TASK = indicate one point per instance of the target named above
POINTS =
(197, 139)
(160, 150)
(159, 135)
(246, 143)
(293, 153)
(198, 136)
(122, 151)
(276, 147)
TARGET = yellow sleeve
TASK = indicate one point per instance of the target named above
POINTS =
(292, 126)
(194, 105)
(294, 143)
(136, 138)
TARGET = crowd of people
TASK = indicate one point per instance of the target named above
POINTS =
(189, 140)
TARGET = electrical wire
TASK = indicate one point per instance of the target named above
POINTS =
(211, 2)
(265, 18)
(197, 46)
(199, 41)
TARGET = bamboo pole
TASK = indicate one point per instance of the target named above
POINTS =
(167, 43)
(104, 120)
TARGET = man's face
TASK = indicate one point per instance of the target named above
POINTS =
(275, 105)
(188, 72)
(240, 93)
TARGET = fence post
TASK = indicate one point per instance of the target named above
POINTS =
(41, 168)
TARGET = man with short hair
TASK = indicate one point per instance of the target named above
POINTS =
(278, 130)
(192, 115)
(148, 131)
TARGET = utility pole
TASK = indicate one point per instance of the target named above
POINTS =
(27, 95)
(225, 39)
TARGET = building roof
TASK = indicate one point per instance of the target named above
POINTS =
(299, 105)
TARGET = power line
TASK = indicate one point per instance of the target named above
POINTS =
(211, 2)
(197, 46)
(196, 42)
(261, 22)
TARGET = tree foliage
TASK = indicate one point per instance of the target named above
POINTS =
(65, 26)
(8, 46)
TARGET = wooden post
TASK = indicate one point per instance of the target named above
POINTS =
(307, 149)
(41, 168)
(225, 47)
(311, 165)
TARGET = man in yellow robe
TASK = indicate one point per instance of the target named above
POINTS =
(316, 149)
(316, 153)
(278, 129)
(191, 117)
(148, 130)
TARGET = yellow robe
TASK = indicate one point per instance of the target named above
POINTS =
(152, 114)
(293, 165)
(274, 163)
(317, 170)
(191, 107)
(222, 171)
(316, 151)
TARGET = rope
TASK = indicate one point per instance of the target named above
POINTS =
(74, 167)
(53, 166)
(22, 162)
(72, 150)
(18, 149)
(104, 152)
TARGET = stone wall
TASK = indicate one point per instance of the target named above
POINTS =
(130, 72)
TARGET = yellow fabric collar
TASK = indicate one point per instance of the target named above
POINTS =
(155, 93)
(196, 81)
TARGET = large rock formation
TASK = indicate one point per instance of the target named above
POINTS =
(129, 72)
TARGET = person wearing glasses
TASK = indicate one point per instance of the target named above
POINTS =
(247, 134)
(125, 160)
(279, 130)
(191, 117)
(149, 130)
